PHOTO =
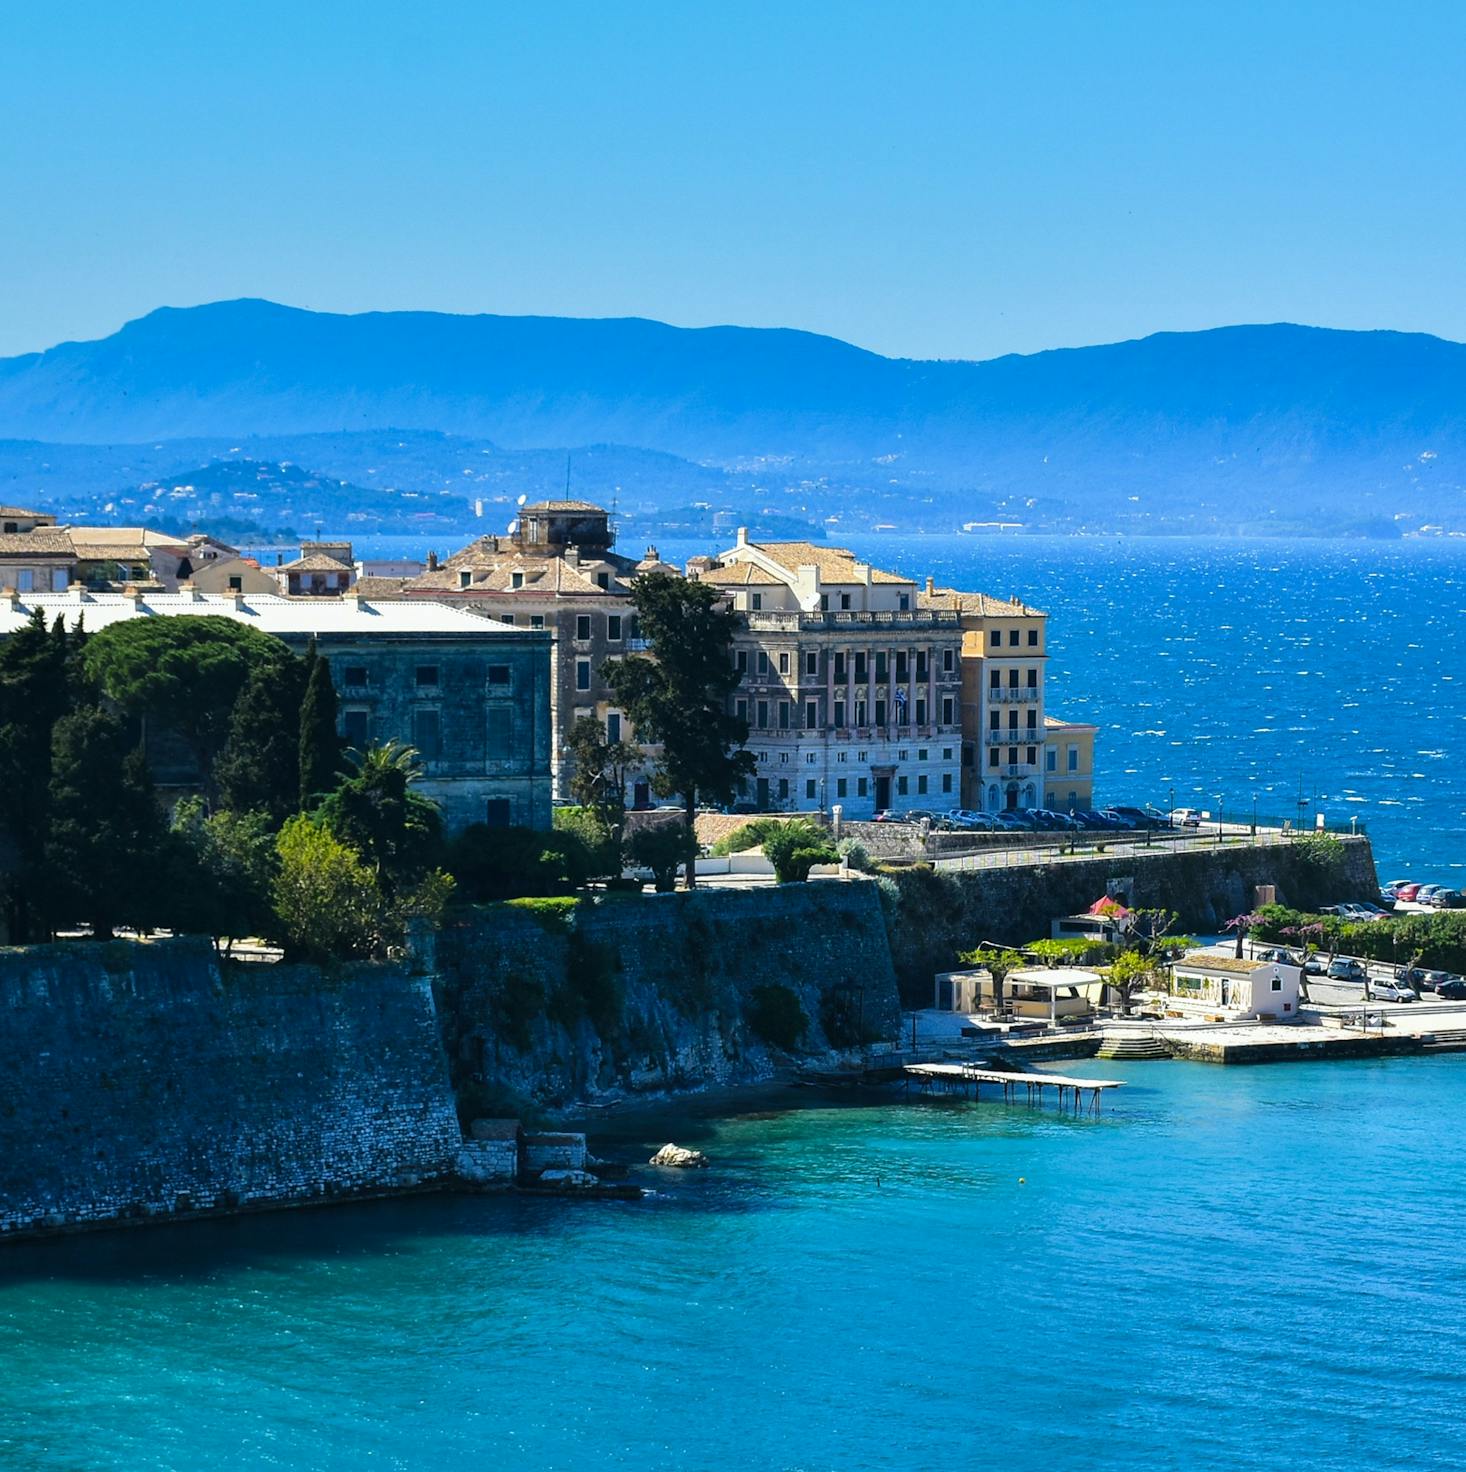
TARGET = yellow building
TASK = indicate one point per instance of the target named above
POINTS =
(1014, 754)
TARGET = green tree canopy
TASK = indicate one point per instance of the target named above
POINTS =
(258, 769)
(106, 846)
(325, 895)
(679, 698)
(598, 777)
(320, 755)
(186, 672)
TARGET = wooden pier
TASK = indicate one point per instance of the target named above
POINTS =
(960, 1077)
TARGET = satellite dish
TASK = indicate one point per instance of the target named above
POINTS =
(521, 500)
(511, 528)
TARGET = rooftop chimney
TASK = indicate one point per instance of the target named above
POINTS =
(432, 562)
(743, 536)
(931, 586)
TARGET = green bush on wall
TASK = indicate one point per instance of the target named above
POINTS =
(775, 1014)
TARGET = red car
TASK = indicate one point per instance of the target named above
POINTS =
(1405, 891)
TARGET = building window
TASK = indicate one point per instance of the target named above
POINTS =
(995, 639)
(994, 680)
(903, 602)
(25, 580)
(946, 753)
(902, 785)
(824, 602)
(499, 675)
(1033, 638)
(921, 711)
(613, 726)
(427, 676)
(465, 578)
(763, 662)
(354, 674)
(613, 627)
(536, 620)
(1073, 758)
(763, 714)
(783, 661)
(922, 668)
(427, 733)
(812, 663)
(994, 756)
(842, 786)
(840, 668)
(582, 626)
(236, 584)
(921, 753)
(355, 729)
(1051, 760)
(921, 785)
(603, 580)
(861, 787)
(755, 601)
(809, 790)
(582, 674)
(880, 712)
(839, 714)
(784, 789)
(845, 602)
(902, 664)
(1032, 755)
(516, 580)
(809, 758)
(1033, 679)
(946, 781)
(783, 715)
(948, 659)
(948, 710)
(1012, 638)
(860, 665)
(881, 667)
(811, 714)
(740, 709)
(496, 731)
(740, 661)
(860, 715)
(497, 812)
(508, 618)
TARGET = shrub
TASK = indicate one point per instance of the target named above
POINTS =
(775, 1014)
(796, 848)
(512, 863)
(551, 913)
(326, 897)
(856, 855)
(590, 830)
(661, 849)
(750, 835)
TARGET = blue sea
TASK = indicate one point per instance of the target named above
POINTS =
(1254, 671)
(1231, 1268)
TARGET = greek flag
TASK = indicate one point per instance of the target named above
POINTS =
(900, 696)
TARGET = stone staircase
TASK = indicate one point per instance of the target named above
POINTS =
(1127, 1046)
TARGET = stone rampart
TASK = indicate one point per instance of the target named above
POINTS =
(662, 992)
(944, 911)
(141, 1081)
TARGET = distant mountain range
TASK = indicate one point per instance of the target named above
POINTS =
(1266, 426)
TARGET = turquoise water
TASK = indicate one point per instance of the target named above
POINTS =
(1256, 1268)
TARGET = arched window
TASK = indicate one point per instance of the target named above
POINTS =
(993, 797)
(1029, 796)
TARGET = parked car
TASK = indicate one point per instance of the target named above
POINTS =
(1315, 966)
(1453, 990)
(1350, 910)
(1136, 817)
(1012, 822)
(1404, 889)
(1442, 898)
(1346, 968)
(1423, 980)
(1101, 819)
(1185, 818)
(1281, 956)
(1394, 887)
(1391, 991)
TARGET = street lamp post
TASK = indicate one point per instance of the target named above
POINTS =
(1254, 815)
(1219, 817)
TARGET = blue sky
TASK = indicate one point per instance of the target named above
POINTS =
(925, 179)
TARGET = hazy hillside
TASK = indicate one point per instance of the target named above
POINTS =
(1210, 428)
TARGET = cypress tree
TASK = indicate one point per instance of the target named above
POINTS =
(105, 850)
(259, 767)
(320, 746)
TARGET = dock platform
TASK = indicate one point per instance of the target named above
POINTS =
(960, 1077)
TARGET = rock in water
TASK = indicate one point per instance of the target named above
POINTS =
(568, 1180)
(676, 1155)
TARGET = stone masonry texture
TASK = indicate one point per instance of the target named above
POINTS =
(140, 1081)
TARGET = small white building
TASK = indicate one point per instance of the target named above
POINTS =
(1038, 993)
(1225, 988)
